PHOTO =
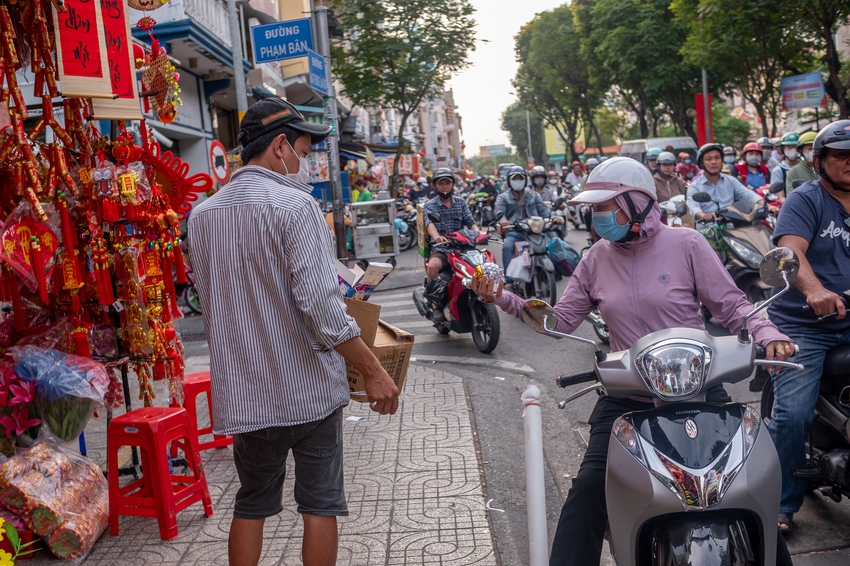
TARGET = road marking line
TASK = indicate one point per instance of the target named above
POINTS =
(408, 302)
(501, 364)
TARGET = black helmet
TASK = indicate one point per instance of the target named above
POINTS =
(835, 135)
(442, 173)
(705, 149)
(515, 171)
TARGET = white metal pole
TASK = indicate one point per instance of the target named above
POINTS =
(528, 130)
(535, 486)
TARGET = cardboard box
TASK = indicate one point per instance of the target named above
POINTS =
(366, 315)
(393, 347)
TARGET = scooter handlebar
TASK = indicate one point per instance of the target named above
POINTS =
(576, 378)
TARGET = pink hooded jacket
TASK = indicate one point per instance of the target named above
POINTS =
(653, 282)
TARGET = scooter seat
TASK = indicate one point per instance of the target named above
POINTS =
(837, 363)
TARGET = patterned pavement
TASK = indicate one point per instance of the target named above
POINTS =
(413, 483)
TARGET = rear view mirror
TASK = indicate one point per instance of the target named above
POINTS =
(701, 197)
(560, 202)
(681, 209)
(775, 263)
(777, 188)
(539, 316)
(434, 218)
(796, 184)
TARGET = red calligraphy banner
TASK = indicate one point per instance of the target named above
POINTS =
(81, 51)
(122, 70)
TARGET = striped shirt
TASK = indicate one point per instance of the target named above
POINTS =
(273, 312)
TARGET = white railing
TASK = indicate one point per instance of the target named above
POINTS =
(212, 15)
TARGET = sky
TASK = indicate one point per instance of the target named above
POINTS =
(484, 90)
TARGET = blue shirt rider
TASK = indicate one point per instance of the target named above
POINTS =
(517, 204)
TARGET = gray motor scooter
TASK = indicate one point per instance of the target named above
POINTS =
(688, 482)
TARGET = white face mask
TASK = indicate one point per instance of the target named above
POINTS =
(517, 184)
(553, 181)
(808, 155)
(539, 181)
(303, 174)
(791, 154)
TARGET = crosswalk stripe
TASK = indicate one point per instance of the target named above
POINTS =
(415, 324)
(408, 302)
(401, 313)
(392, 295)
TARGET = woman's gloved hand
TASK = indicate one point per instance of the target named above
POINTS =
(487, 288)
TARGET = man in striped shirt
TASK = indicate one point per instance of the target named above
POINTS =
(279, 335)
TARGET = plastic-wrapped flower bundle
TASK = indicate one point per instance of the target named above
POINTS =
(68, 388)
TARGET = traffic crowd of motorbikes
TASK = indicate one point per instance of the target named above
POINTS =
(673, 241)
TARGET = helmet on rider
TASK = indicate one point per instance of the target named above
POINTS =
(553, 178)
(619, 176)
(765, 143)
(790, 139)
(444, 190)
(834, 136)
(683, 155)
(652, 154)
(422, 181)
(707, 148)
(752, 154)
(538, 176)
(517, 179)
(807, 138)
(666, 158)
(591, 163)
(603, 158)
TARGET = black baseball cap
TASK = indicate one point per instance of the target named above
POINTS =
(272, 114)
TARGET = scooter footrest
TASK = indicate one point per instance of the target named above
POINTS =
(806, 474)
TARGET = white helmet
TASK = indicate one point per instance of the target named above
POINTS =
(666, 158)
(421, 181)
(616, 176)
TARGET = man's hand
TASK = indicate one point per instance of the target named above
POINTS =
(780, 351)
(774, 210)
(487, 289)
(824, 302)
(441, 240)
(705, 216)
(381, 392)
(557, 220)
(503, 223)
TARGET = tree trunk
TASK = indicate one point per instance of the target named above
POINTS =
(762, 117)
(640, 112)
(592, 124)
(398, 151)
(833, 63)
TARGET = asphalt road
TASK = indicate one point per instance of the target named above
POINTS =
(494, 383)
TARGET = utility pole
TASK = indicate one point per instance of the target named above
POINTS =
(236, 49)
(332, 120)
(528, 131)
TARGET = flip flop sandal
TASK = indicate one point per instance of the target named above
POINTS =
(786, 523)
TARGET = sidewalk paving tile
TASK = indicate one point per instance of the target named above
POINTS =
(412, 483)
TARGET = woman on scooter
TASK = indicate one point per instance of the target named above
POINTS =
(643, 276)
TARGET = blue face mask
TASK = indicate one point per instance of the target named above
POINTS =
(606, 226)
(729, 160)
(687, 161)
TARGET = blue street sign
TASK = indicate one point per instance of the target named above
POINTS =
(318, 72)
(281, 40)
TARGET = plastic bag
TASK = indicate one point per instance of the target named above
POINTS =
(563, 255)
(61, 496)
(68, 388)
(518, 270)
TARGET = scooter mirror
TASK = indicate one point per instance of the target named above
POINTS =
(777, 188)
(434, 218)
(701, 197)
(775, 263)
(539, 316)
(559, 203)
(681, 209)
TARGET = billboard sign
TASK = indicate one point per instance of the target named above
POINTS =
(802, 91)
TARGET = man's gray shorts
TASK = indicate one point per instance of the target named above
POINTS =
(260, 458)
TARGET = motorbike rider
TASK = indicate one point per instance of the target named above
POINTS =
(517, 204)
(815, 223)
(803, 171)
(422, 190)
(766, 145)
(576, 176)
(723, 189)
(652, 159)
(790, 158)
(753, 173)
(555, 185)
(667, 183)
(540, 183)
(671, 272)
(686, 168)
(730, 158)
(454, 215)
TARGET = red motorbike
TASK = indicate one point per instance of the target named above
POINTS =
(449, 304)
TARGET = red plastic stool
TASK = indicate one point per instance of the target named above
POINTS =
(196, 384)
(159, 492)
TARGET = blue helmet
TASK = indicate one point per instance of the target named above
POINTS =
(517, 171)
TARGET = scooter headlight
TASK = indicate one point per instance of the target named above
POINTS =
(675, 369)
(536, 224)
(745, 251)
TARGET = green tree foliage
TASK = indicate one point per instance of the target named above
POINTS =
(728, 129)
(487, 165)
(821, 18)
(752, 42)
(553, 78)
(514, 122)
(398, 52)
